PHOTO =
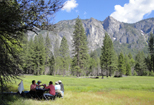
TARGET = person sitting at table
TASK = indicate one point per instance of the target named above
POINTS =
(38, 83)
(33, 92)
(57, 89)
(51, 91)
(61, 87)
(33, 86)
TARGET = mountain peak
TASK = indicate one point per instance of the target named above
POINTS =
(92, 19)
(110, 18)
(110, 21)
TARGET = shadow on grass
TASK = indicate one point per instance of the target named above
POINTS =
(6, 99)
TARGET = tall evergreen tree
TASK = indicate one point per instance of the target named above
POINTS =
(93, 62)
(24, 53)
(64, 48)
(29, 57)
(151, 43)
(64, 53)
(114, 64)
(107, 56)
(39, 49)
(9, 67)
(56, 48)
(131, 60)
(58, 61)
(121, 64)
(80, 50)
(151, 49)
(48, 46)
(140, 65)
(127, 65)
(149, 63)
(52, 64)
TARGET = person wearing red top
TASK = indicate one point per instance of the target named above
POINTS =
(51, 91)
(33, 86)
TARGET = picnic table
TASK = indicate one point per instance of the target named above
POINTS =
(38, 93)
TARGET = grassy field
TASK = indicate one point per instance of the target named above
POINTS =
(133, 90)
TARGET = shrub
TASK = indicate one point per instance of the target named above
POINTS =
(146, 73)
(151, 73)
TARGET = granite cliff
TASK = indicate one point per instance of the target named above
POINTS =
(132, 36)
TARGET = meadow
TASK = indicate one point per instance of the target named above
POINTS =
(132, 90)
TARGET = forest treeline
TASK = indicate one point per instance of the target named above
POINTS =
(37, 57)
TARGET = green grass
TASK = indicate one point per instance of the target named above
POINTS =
(127, 90)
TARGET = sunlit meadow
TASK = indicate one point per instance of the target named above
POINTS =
(133, 90)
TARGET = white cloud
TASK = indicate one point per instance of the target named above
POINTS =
(133, 11)
(69, 5)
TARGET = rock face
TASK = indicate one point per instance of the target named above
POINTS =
(135, 35)
(95, 33)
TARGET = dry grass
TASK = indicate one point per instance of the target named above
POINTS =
(123, 97)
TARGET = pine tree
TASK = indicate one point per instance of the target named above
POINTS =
(149, 63)
(127, 65)
(114, 64)
(151, 50)
(107, 56)
(151, 43)
(131, 60)
(140, 65)
(48, 46)
(121, 64)
(29, 61)
(18, 17)
(80, 51)
(130, 55)
(64, 53)
(128, 70)
(52, 64)
(56, 48)
(58, 62)
(24, 53)
(39, 54)
(92, 63)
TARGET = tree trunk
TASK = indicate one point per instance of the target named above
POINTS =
(63, 72)
(102, 74)
(110, 73)
(107, 73)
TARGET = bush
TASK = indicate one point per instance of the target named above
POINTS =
(151, 73)
(146, 73)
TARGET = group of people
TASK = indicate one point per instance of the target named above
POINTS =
(53, 90)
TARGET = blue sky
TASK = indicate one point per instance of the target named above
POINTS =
(128, 11)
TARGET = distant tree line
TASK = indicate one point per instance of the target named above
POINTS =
(38, 58)
(126, 65)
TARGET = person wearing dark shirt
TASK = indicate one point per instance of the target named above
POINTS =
(62, 87)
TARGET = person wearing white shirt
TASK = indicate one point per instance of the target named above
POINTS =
(58, 89)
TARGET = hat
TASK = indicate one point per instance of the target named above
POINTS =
(39, 81)
(56, 82)
(59, 81)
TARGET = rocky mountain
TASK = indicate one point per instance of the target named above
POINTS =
(128, 36)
